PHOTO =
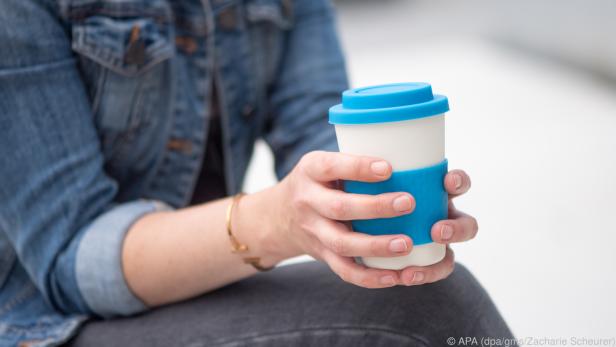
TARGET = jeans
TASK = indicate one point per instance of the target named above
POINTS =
(308, 305)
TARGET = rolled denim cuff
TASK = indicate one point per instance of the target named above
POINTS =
(98, 265)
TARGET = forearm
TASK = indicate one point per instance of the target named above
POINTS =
(171, 256)
(175, 255)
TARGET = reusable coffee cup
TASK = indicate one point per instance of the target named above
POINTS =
(403, 124)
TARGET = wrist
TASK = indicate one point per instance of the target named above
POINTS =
(259, 222)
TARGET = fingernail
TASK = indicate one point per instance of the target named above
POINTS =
(446, 232)
(418, 277)
(398, 245)
(379, 168)
(457, 180)
(387, 280)
(402, 203)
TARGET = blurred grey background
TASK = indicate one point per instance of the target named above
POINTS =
(578, 33)
(532, 89)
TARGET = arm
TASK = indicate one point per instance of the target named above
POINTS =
(174, 255)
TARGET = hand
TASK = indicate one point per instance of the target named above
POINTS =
(313, 219)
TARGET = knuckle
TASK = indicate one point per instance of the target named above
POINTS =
(306, 159)
(374, 248)
(327, 164)
(307, 227)
(338, 246)
(300, 202)
(339, 208)
(319, 248)
(312, 156)
(312, 161)
(380, 206)
(357, 165)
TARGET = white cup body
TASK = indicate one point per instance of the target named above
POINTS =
(406, 145)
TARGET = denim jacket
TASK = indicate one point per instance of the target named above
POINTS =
(104, 108)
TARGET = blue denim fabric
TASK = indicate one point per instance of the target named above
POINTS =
(94, 132)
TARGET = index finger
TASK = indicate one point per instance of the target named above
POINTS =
(330, 166)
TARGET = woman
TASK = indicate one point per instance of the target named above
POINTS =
(125, 124)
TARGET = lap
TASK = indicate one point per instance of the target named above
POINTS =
(307, 305)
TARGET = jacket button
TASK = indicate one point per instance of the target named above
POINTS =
(180, 145)
(135, 52)
(186, 44)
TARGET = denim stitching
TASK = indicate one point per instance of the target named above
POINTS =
(25, 294)
(36, 68)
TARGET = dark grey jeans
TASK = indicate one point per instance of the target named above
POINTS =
(307, 305)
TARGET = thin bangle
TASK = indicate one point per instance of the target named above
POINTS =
(236, 245)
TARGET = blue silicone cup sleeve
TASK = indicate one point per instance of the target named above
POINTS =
(427, 187)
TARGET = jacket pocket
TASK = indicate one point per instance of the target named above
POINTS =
(125, 65)
(129, 47)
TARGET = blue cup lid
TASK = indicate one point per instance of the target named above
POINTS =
(388, 103)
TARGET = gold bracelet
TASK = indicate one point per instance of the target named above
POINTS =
(237, 246)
